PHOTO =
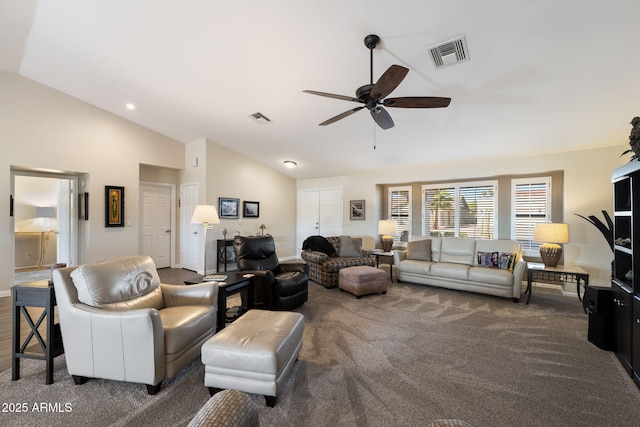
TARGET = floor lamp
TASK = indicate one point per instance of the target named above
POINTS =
(205, 215)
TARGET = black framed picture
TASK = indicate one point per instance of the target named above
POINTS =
(113, 206)
(357, 209)
(228, 207)
(250, 209)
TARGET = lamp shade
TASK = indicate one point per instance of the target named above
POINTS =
(205, 214)
(551, 233)
(387, 227)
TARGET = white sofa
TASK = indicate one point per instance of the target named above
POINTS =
(453, 262)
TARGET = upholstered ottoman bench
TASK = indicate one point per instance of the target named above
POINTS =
(254, 354)
(362, 280)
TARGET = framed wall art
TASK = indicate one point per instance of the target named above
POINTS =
(228, 208)
(357, 209)
(250, 209)
(113, 206)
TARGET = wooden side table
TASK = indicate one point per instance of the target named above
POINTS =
(35, 294)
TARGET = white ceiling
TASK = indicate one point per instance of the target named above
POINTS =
(544, 76)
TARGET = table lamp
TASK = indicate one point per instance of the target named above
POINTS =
(205, 215)
(46, 212)
(387, 228)
(550, 235)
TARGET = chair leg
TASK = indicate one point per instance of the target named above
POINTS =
(79, 380)
(271, 401)
(214, 390)
(153, 389)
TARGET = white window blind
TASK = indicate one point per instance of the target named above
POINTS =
(400, 209)
(530, 205)
(461, 210)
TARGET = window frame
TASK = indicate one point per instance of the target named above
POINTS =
(390, 215)
(456, 187)
(530, 247)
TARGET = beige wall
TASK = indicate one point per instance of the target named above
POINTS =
(587, 191)
(43, 129)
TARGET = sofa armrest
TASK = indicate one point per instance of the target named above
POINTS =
(314, 256)
(91, 336)
(205, 293)
(293, 266)
(518, 275)
(398, 256)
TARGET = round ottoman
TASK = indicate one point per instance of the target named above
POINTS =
(363, 280)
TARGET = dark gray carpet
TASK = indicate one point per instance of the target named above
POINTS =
(405, 359)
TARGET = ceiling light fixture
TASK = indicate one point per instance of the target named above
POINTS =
(290, 164)
(130, 106)
(260, 118)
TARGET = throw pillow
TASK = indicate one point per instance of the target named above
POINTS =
(507, 261)
(350, 246)
(488, 259)
(419, 250)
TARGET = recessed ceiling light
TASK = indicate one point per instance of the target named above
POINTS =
(290, 164)
(130, 106)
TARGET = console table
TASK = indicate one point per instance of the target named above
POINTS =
(560, 273)
(35, 294)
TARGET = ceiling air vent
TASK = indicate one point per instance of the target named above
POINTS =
(260, 118)
(450, 52)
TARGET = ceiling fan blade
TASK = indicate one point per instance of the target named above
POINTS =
(331, 95)
(388, 81)
(341, 116)
(382, 118)
(417, 102)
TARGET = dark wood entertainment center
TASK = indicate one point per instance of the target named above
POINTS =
(626, 271)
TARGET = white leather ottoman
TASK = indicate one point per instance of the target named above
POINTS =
(254, 354)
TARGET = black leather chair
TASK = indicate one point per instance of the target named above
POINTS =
(276, 286)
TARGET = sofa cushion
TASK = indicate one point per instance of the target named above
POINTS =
(458, 250)
(450, 270)
(419, 250)
(185, 325)
(415, 266)
(350, 246)
(492, 276)
(109, 282)
(489, 259)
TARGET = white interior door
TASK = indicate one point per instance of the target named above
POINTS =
(319, 213)
(156, 223)
(331, 212)
(191, 235)
(308, 216)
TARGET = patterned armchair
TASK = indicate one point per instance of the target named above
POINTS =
(324, 268)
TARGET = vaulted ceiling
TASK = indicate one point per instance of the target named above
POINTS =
(542, 76)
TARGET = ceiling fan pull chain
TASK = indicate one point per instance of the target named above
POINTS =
(374, 136)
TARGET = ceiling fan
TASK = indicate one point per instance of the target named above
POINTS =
(374, 96)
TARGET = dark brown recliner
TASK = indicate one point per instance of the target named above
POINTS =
(276, 286)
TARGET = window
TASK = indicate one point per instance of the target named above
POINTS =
(460, 210)
(400, 209)
(530, 205)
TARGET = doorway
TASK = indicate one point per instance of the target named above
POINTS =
(157, 223)
(44, 223)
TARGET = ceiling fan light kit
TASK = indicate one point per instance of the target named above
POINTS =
(374, 96)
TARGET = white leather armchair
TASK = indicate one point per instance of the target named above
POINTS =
(119, 322)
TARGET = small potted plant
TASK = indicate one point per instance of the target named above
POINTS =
(262, 227)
